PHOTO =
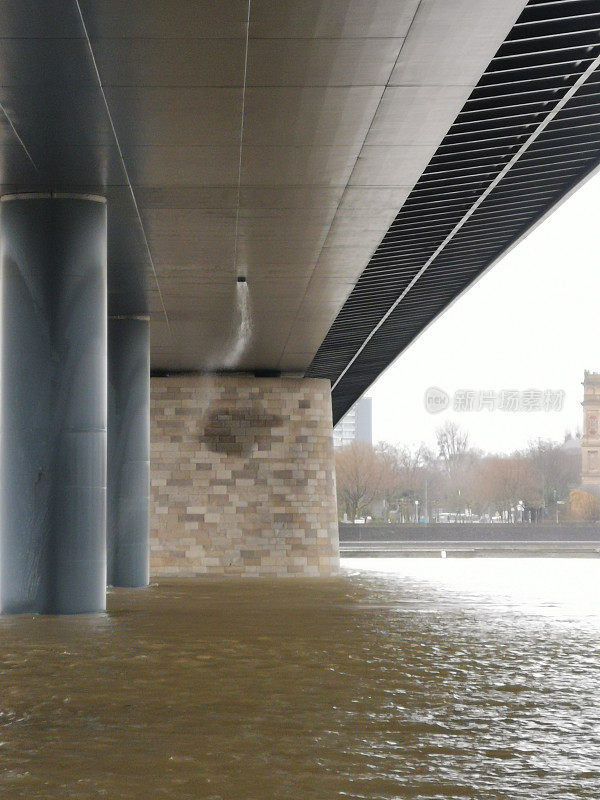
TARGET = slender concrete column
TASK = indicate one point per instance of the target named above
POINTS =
(53, 404)
(128, 450)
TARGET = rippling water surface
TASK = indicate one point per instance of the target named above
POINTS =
(402, 679)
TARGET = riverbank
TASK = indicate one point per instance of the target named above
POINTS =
(470, 549)
(469, 541)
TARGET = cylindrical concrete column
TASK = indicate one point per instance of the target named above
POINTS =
(53, 404)
(128, 450)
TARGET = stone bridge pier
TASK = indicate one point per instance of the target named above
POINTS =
(242, 477)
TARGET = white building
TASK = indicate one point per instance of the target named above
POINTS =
(356, 425)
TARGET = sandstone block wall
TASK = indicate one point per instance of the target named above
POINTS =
(242, 477)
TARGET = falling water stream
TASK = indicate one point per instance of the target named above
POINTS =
(244, 327)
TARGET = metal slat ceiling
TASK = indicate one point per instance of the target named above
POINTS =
(529, 133)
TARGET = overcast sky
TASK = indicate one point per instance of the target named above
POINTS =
(533, 322)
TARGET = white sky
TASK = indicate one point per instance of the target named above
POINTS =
(532, 322)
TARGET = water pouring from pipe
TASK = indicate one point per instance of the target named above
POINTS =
(244, 329)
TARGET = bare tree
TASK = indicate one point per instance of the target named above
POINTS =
(456, 479)
(404, 478)
(359, 475)
(452, 443)
(458, 463)
(505, 481)
(390, 474)
(559, 468)
(584, 506)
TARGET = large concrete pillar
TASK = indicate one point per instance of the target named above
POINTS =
(128, 450)
(53, 404)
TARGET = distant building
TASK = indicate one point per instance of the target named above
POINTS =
(590, 443)
(356, 425)
(572, 444)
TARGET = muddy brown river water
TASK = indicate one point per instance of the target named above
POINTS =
(402, 679)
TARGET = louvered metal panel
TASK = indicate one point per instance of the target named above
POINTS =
(529, 133)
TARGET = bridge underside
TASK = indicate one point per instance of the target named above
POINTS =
(527, 135)
(273, 140)
(293, 189)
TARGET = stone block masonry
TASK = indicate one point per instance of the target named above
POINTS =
(242, 477)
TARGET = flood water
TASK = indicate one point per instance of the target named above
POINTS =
(402, 679)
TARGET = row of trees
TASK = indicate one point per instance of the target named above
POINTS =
(407, 484)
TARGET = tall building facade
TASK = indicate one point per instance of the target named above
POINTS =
(590, 444)
(356, 425)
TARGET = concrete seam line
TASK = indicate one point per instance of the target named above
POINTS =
(122, 159)
(18, 136)
(352, 171)
(95, 198)
(241, 146)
